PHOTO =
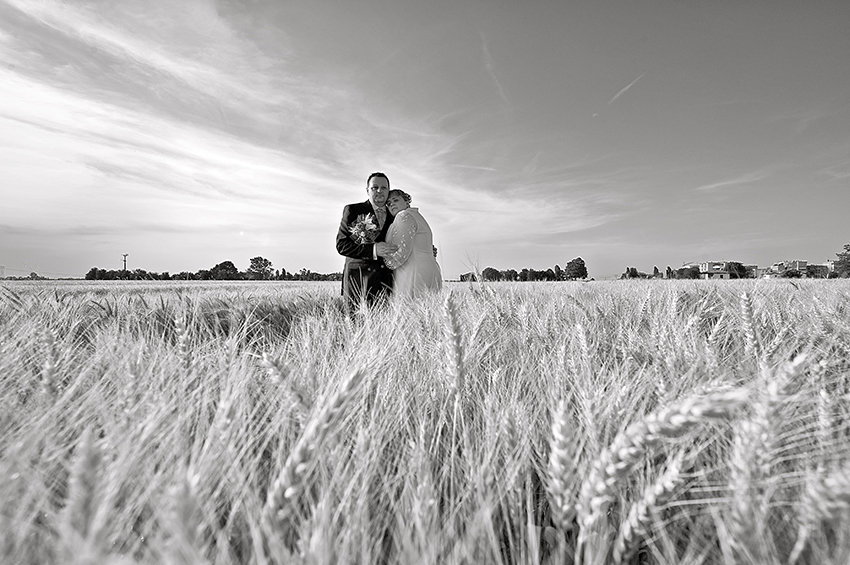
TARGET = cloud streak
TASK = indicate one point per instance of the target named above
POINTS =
(490, 66)
(624, 89)
(744, 179)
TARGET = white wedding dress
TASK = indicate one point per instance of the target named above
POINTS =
(414, 267)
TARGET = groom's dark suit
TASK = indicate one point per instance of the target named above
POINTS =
(362, 275)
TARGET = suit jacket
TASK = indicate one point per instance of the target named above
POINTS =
(356, 253)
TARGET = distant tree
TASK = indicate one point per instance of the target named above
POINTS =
(791, 274)
(523, 275)
(224, 271)
(668, 272)
(736, 270)
(491, 274)
(305, 274)
(631, 273)
(656, 274)
(559, 275)
(842, 264)
(260, 269)
(534, 275)
(92, 274)
(817, 271)
(549, 275)
(575, 269)
(687, 273)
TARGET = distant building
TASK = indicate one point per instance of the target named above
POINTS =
(713, 270)
(795, 265)
(830, 265)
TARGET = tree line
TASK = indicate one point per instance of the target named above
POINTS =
(574, 270)
(260, 269)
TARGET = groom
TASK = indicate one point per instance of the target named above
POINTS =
(361, 239)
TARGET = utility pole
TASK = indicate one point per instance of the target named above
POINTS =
(125, 261)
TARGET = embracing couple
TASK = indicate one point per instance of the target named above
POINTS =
(388, 247)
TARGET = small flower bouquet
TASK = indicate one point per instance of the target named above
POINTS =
(365, 229)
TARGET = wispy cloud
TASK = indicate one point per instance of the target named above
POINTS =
(624, 89)
(744, 179)
(531, 167)
(839, 167)
(490, 66)
(475, 168)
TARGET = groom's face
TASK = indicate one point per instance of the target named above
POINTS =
(377, 190)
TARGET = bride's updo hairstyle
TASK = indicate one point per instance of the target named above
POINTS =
(407, 198)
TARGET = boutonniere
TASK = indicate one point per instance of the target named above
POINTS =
(365, 229)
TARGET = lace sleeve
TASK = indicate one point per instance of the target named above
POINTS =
(403, 232)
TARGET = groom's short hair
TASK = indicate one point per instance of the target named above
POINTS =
(378, 174)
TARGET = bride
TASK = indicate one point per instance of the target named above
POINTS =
(414, 266)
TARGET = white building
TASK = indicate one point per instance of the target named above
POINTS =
(713, 270)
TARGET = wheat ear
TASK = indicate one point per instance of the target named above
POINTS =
(562, 469)
(49, 389)
(751, 337)
(454, 346)
(824, 499)
(637, 523)
(281, 376)
(629, 446)
(752, 459)
(185, 526)
(279, 512)
(184, 350)
(80, 509)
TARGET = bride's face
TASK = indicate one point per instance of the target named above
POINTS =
(396, 204)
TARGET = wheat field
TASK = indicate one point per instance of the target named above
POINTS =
(508, 423)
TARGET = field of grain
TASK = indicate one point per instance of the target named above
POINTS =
(609, 422)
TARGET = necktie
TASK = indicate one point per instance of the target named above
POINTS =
(381, 214)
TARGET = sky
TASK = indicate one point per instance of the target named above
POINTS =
(628, 133)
